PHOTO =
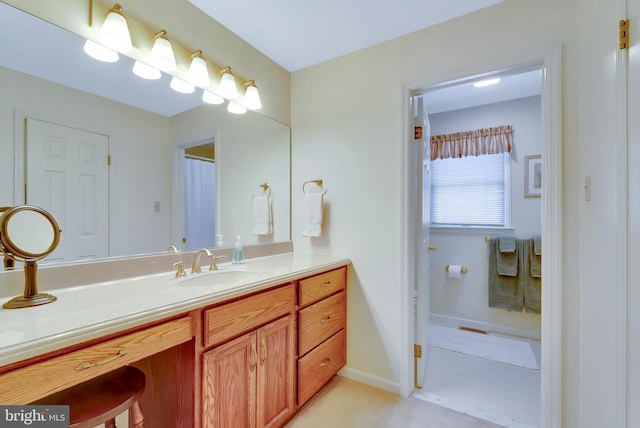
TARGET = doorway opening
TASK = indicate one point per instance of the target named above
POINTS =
(463, 302)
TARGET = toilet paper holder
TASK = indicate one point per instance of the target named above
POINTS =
(463, 269)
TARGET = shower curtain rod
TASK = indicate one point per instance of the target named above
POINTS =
(199, 158)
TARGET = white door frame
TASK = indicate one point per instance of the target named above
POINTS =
(551, 330)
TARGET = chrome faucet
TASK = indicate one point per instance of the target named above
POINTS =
(195, 267)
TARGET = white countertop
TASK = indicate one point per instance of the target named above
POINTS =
(94, 310)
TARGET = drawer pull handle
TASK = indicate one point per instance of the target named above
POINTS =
(264, 352)
(325, 284)
(325, 362)
(253, 365)
(325, 320)
(87, 364)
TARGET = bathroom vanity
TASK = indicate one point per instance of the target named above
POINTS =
(235, 347)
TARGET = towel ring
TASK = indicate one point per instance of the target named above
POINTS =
(318, 182)
(265, 188)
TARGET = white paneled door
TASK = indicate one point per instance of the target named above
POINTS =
(67, 174)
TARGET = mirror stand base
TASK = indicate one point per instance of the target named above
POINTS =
(29, 301)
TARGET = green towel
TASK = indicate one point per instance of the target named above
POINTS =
(505, 292)
(507, 255)
(532, 284)
(535, 261)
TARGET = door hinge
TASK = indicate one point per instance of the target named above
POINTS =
(108, 160)
(417, 351)
(624, 34)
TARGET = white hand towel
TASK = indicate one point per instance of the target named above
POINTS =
(262, 224)
(312, 215)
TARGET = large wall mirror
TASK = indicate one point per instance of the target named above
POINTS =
(53, 93)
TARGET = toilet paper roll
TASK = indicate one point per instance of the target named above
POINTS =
(455, 271)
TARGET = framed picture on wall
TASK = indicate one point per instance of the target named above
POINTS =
(532, 176)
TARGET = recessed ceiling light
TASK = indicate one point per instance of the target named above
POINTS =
(487, 82)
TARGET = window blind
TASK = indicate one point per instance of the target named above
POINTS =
(469, 190)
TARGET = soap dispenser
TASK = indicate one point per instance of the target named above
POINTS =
(238, 252)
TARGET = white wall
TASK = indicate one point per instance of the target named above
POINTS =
(136, 138)
(348, 129)
(467, 298)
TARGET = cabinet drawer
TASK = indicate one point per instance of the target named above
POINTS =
(318, 287)
(232, 319)
(320, 365)
(320, 321)
(64, 371)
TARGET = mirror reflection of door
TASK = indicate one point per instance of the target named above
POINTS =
(199, 196)
(67, 174)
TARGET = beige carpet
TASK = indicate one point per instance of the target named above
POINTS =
(348, 404)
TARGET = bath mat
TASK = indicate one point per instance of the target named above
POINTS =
(496, 348)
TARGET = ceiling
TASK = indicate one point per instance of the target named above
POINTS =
(297, 34)
(305, 35)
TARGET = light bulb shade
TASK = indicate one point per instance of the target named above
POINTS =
(227, 88)
(114, 33)
(252, 98)
(181, 86)
(211, 98)
(236, 108)
(198, 74)
(100, 52)
(145, 71)
(161, 56)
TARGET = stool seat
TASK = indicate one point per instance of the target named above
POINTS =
(101, 399)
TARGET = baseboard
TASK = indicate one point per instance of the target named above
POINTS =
(369, 379)
(455, 322)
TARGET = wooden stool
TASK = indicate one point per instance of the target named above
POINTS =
(100, 400)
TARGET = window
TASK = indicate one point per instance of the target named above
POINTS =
(471, 191)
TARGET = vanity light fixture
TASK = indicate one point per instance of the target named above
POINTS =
(100, 52)
(211, 98)
(181, 86)
(487, 82)
(114, 33)
(161, 56)
(197, 74)
(227, 88)
(236, 108)
(251, 96)
(145, 71)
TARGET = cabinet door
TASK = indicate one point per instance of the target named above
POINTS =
(229, 384)
(276, 377)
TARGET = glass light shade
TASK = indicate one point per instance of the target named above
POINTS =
(114, 33)
(100, 52)
(145, 71)
(235, 108)
(227, 88)
(252, 98)
(198, 74)
(211, 98)
(181, 86)
(161, 56)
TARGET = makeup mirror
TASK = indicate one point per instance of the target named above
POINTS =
(28, 234)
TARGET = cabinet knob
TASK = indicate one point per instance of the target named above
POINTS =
(432, 248)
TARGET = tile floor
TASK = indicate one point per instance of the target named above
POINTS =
(500, 393)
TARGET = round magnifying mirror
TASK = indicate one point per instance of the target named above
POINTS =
(28, 234)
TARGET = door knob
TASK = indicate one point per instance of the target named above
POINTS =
(432, 248)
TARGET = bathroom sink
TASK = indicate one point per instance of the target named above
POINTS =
(221, 277)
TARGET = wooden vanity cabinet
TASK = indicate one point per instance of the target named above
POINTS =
(248, 376)
(322, 313)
